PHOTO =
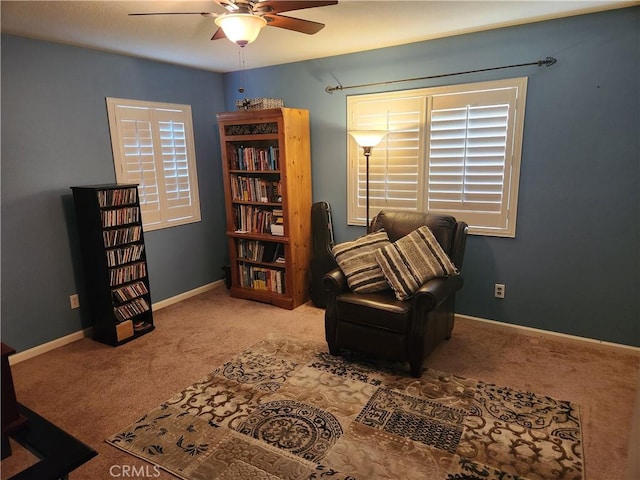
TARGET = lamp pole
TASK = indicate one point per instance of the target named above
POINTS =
(367, 139)
(367, 153)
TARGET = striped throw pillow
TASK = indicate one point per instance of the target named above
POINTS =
(357, 261)
(412, 260)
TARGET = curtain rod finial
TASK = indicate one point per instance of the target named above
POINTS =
(548, 61)
(331, 89)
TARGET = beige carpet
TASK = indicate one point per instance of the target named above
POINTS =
(287, 409)
(93, 390)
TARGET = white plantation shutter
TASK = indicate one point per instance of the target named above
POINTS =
(453, 150)
(469, 155)
(395, 163)
(178, 187)
(138, 159)
(153, 147)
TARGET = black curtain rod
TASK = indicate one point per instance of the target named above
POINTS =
(547, 62)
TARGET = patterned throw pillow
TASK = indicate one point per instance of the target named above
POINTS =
(412, 260)
(357, 261)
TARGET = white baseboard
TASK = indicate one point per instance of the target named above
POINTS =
(47, 347)
(183, 296)
(74, 337)
(536, 331)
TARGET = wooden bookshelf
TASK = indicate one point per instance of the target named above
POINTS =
(117, 297)
(266, 164)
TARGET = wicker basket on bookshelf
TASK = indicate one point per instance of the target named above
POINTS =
(259, 103)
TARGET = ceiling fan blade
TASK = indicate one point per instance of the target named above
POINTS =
(295, 24)
(277, 6)
(204, 14)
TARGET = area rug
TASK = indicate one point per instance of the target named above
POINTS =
(287, 409)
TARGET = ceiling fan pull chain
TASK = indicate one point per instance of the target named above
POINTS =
(241, 68)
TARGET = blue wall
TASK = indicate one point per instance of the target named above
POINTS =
(574, 264)
(55, 134)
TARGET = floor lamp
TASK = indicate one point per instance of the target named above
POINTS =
(367, 139)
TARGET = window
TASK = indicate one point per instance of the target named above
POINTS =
(153, 147)
(453, 150)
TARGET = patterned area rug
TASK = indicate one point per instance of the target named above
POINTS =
(286, 409)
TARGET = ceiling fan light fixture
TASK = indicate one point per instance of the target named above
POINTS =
(241, 28)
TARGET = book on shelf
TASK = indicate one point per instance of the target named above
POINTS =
(120, 216)
(262, 278)
(254, 158)
(121, 235)
(277, 215)
(131, 309)
(129, 292)
(251, 249)
(260, 251)
(116, 197)
(127, 273)
(254, 189)
(118, 256)
(277, 222)
(249, 218)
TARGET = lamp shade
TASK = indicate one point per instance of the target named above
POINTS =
(368, 138)
(241, 28)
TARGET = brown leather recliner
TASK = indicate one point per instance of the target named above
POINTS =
(378, 324)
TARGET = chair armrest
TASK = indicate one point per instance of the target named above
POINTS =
(437, 290)
(335, 282)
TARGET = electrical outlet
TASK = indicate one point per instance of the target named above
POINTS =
(74, 301)
(499, 290)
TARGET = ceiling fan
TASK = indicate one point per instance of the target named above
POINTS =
(244, 19)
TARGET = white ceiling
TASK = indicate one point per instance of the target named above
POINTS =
(351, 26)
